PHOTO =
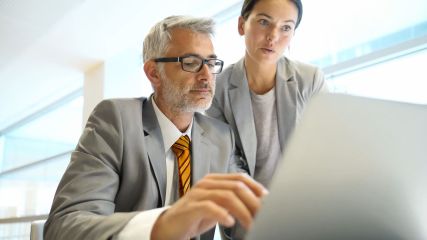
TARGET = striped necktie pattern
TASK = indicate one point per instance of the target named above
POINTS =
(181, 148)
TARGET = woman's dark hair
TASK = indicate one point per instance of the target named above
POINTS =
(248, 5)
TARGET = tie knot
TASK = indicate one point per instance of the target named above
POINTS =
(182, 144)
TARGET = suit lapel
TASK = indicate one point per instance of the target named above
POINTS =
(200, 152)
(243, 114)
(286, 100)
(155, 148)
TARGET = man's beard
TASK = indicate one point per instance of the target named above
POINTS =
(180, 100)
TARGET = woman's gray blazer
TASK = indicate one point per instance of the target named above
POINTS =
(296, 83)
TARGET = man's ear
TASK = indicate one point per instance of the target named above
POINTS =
(150, 69)
(241, 26)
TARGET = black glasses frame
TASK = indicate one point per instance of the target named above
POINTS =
(181, 59)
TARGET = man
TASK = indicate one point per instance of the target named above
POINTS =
(124, 170)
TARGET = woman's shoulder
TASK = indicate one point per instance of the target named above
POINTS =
(226, 72)
(298, 66)
(232, 74)
(236, 66)
(305, 74)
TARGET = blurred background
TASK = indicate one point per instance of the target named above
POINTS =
(59, 58)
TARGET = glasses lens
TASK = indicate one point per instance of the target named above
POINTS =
(191, 63)
(215, 65)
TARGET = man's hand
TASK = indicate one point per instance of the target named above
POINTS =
(217, 198)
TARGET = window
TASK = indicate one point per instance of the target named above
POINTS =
(365, 48)
(35, 155)
(397, 79)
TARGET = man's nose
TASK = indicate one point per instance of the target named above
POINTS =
(206, 72)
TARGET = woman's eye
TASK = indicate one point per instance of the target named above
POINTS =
(263, 22)
(286, 28)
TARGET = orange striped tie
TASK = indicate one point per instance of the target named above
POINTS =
(181, 148)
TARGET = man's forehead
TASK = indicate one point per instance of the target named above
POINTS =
(180, 35)
(188, 42)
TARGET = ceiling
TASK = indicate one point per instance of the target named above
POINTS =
(46, 46)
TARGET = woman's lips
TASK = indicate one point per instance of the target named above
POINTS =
(267, 50)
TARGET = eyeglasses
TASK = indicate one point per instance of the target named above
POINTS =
(195, 63)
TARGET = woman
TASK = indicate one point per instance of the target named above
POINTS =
(263, 95)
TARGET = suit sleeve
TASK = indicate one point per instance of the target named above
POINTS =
(83, 206)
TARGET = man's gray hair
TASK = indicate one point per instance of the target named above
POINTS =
(157, 40)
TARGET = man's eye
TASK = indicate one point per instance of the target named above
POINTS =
(211, 65)
(190, 64)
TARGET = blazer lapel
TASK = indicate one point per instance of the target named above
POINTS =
(242, 109)
(155, 148)
(286, 100)
(200, 156)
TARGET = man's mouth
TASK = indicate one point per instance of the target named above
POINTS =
(201, 90)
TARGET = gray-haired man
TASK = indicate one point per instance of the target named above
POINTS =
(126, 170)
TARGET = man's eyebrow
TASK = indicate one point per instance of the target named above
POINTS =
(190, 54)
(198, 55)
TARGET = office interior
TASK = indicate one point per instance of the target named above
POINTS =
(58, 59)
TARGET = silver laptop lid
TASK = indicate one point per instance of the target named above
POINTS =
(355, 168)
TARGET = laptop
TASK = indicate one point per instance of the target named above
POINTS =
(355, 168)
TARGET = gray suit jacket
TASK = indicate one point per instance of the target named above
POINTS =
(119, 168)
(296, 83)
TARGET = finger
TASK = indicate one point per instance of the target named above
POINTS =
(255, 187)
(210, 211)
(226, 199)
(249, 199)
(188, 218)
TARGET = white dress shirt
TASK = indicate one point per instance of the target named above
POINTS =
(140, 226)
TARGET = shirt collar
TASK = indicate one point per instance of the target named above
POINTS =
(169, 131)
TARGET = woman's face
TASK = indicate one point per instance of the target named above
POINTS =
(268, 30)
